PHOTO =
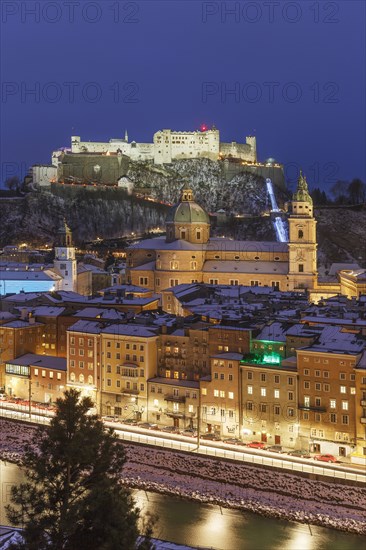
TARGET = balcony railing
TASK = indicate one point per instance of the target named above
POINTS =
(126, 391)
(314, 408)
(174, 398)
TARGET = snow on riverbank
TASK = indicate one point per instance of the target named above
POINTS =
(229, 484)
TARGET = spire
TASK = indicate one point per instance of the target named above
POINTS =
(126, 136)
(64, 235)
(302, 192)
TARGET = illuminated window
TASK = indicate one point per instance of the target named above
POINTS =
(204, 391)
(263, 392)
(216, 393)
(250, 390)
(277, 394)
(343, 389)
(345, 405)
(222, 393)
(231, 395)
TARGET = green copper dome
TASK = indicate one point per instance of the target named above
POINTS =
(187, 210)
(302, 192)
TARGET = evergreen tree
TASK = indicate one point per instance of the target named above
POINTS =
(72, 498)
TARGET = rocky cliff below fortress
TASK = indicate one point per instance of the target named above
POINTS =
(110, 212)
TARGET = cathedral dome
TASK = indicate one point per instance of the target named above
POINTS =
(187, 220)
(187, 210)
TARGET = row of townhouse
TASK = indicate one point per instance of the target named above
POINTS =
(299, 386)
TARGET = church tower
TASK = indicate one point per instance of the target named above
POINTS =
(302, 239)
(65, 262)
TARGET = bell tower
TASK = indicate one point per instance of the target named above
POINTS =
(302, 244)
(65, 261)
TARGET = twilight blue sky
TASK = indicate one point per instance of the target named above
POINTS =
(293, 73)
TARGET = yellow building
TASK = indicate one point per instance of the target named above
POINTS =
(269, 399)
(329, 403)
(173, 402)
(128, 360)
(38, 378)
(220, 396)
(188, 254)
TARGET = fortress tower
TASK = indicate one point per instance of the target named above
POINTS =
(302, 239)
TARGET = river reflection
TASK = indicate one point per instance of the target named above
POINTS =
(204, 525)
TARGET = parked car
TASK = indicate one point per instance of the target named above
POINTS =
(325, 458)
(233, 441)
(148, 426)
(170, 430)
(211, 437)
(256, 445)
(130, 421)
(276, 449)
(110, 418)
(299, 453)
(189, 432)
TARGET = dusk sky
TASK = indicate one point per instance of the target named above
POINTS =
(292, 73)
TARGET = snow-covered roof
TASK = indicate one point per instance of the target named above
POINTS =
(173, 382)
(230, 356)
(334, 268)
(333, 339)
(20, 324)
(243, 266)
(100, 313)
(149, 266)
(27, 275)
(42, 361)
(215, 244)
(275, 332)
(91, 327)
(47, 311)
(129, 330)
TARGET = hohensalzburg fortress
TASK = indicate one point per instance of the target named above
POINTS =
(169, 145)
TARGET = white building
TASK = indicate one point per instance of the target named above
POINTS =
(65, 262)
(44, 174)
(168, 145)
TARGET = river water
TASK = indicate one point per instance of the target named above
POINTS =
(195, 524)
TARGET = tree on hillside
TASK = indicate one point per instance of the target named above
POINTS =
(357, 191)
(72, 498)
(319, 197)
(339, 191)
(12, 183)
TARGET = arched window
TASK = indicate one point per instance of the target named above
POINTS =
(90, 380)
(300, 234)
(72, 377)
(81, 378)
(183, 234)
(198, 234)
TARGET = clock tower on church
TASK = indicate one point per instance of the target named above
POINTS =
(65, 261)
(302, 239)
